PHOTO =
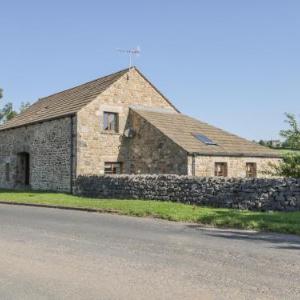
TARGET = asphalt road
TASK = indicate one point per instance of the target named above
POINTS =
(57, 254)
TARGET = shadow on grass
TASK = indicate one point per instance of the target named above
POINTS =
(252, 220)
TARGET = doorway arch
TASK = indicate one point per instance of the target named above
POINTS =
(23, 168)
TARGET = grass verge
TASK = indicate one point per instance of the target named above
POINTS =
(288, 151)
(284, 222)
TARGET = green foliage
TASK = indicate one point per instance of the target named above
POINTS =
(8, 112)
(289, 167)
(24, 106)
(291, 135)
(288, 222)
(270, 143)
(288, 151)
(262, 143)
(290, 164)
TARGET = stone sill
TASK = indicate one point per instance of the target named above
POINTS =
(110, 133)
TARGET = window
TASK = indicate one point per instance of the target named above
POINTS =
(221, 169)
(112, 168)
(111, 121)
(204, 139)
(7, 171)
(251, 170)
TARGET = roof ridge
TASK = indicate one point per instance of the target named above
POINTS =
(69, 99)
(86, 83)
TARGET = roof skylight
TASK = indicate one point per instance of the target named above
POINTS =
(204, 139)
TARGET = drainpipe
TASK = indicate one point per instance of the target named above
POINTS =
(193, 168)
(71, 154)
(193, 165)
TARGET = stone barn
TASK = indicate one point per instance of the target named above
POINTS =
(117, 124)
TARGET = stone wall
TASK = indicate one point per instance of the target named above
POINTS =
(96, 146)
(151, 152)
(254, 194)
(205, 165)
(49, 147)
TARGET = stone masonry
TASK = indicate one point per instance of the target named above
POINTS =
(95, 146)
(151, 152)
(49, 147)
(204, 165)
(63, 137)
(261, 194)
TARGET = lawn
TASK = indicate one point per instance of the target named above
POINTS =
(284, 222)
(286, 151)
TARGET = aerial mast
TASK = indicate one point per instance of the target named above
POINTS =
(131, 53)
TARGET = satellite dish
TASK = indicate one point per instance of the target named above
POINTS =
(129, 133)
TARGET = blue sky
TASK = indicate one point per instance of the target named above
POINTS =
(234, 64)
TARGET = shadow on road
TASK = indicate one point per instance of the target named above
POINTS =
(278, 241)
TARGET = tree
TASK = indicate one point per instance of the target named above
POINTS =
(24, 106)
(289, 167)
(8, 112)
(290, 164)
(291, 135)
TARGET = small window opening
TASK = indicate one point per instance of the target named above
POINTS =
(111, 121)
(7, 171)
(251, 170)
(221, 169)
(112, 168)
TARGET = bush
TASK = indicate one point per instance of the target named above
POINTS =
(289, 167)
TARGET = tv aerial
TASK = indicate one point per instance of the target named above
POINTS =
(134, 52)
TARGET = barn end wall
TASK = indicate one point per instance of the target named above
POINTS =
(97, 146)
(49, 145)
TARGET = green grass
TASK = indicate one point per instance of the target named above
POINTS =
(285, 222)
(286, 151)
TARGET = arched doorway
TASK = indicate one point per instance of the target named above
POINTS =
(23, 168)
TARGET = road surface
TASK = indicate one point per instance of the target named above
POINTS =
(58, 254)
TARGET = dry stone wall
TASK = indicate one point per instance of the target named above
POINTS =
(261, 194)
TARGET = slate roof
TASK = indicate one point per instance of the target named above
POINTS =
(180, 129)
(63, 103)
(176, 126)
